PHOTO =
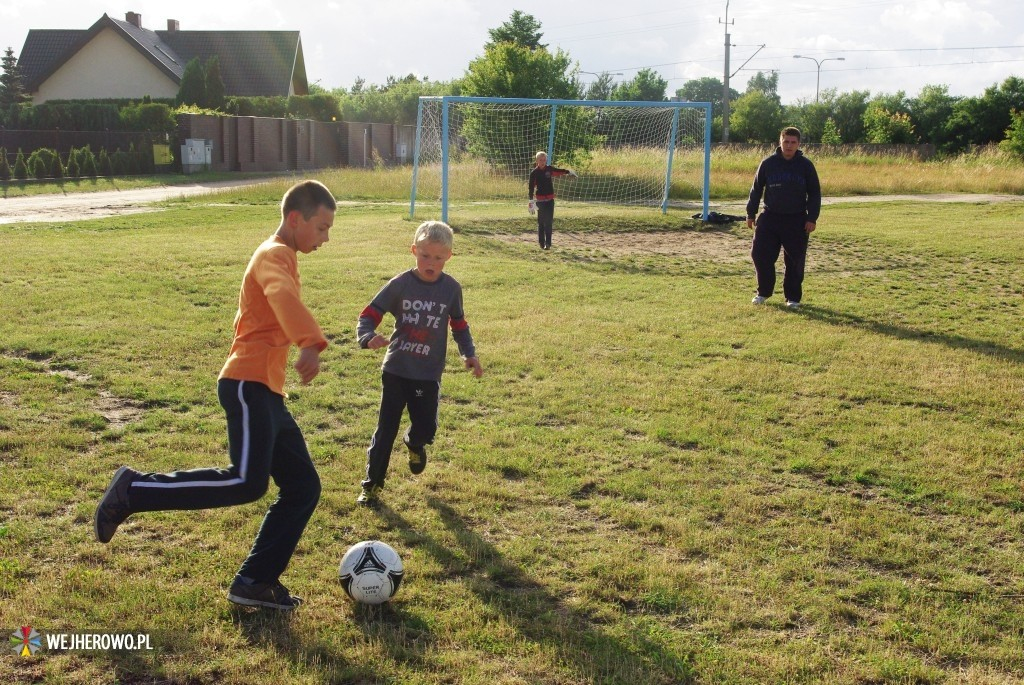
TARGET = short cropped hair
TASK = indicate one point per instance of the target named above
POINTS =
(790, 131)
(434, 232)
(539, 153)
(307, 197)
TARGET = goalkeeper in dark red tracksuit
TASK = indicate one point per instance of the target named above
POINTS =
(544, 202)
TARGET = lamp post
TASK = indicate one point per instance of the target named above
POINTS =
(818, 63)
(602, 75)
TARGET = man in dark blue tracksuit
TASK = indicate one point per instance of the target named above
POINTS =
(792, 202)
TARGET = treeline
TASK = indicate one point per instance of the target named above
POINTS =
(952, 124)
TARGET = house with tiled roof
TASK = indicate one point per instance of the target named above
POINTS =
(116, 59)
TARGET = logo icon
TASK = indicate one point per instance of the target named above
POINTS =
(26, 641)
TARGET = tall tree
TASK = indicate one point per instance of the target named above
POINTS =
(810, 117)
(884, 126)
(1013, 143)
(509, 70)
(521, 29)
(756, 118)
(930, 111)
(515, 71)
(601, 88)
(12, 90)
(766, 84)
(646, 86)
(214, 84)
(847, 110)
(706, 89)
(894, 103)
(192, 90)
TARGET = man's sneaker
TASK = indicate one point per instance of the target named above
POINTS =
(792, 305)
(113, 508)
(271, 595)
(417, 457)
(369, 495)
(758, 299)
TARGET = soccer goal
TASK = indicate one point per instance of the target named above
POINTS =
(475, 150)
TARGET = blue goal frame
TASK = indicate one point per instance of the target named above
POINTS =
(555, 104)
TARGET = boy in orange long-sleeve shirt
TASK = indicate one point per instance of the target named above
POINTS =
(263, 439)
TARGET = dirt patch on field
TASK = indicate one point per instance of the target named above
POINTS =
(118, 412)
(712, 245)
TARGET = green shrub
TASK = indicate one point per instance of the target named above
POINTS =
(72, 116)
(119, 163)
(147, 165)
(74, 169)
(86, 161)
(43, 163)
(104, 166)
(5, 168)
(20, 168)
(134, 168)
(38, 167)
(1013, 144)
(276, 107)
(155, 117)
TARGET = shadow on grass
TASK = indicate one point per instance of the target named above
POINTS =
(273, 629)
(957, 342)
(536, 614)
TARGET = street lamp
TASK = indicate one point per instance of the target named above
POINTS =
(603, 73)
(819, 63)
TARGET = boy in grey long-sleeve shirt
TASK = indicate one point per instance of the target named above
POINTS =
(425, 302)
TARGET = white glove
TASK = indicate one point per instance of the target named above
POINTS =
(572, 174)
(532, 207)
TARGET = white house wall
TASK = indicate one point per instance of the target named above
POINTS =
(107, 67)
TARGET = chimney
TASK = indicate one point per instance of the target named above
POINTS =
(134, 19)
(172, 25)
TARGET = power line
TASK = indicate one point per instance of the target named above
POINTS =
(986, 47)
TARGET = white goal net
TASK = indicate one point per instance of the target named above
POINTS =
(481, 150)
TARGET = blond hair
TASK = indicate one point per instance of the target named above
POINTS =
(434, 232)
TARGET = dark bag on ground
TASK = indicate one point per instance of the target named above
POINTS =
(716, 218)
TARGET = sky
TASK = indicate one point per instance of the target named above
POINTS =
(879, 46)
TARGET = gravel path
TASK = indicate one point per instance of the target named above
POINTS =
(77, 206)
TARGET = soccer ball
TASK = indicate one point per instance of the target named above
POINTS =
(371, 572)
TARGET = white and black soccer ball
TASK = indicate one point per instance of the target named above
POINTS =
(371, 572)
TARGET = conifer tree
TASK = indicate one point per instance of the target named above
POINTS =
(12, 90)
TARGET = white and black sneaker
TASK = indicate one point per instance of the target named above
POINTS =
(271, 595)
(758, 299)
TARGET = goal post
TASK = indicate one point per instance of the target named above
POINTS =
(480, 150)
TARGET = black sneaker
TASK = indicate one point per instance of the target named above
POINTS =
(417, 457)
(271, 595)
(113, 508)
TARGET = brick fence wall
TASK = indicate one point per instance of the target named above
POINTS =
(265, 144)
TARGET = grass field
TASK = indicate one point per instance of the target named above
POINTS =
(654, 481)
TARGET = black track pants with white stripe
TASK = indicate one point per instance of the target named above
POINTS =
(264, 442)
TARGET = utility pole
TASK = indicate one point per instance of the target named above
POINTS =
(725, 87)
